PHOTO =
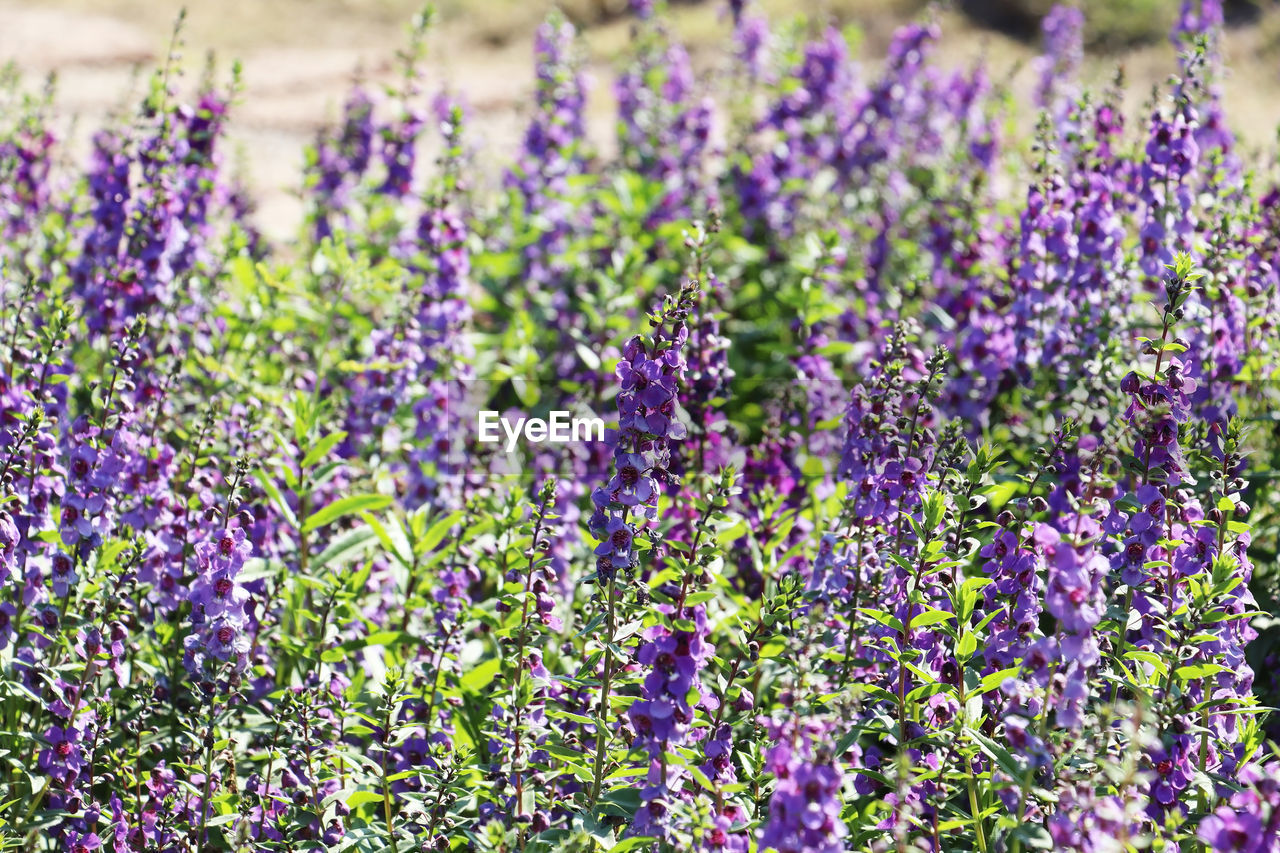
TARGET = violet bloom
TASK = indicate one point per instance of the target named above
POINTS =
(399, 140)
(617, 542)
(893, 114)
(662, 717)
(9, 539)
(804, 809)
(26, 157)
(7, 614)
(1074, 595)
(78, 512)
(147, 233)
(439, 353)
(62, 569)
(650, 374)
(1014, 560)
(82, 842)
(753, 38)
(1166, 188)
(664, 127)
(708, 379)
(338, 162)
(63, 758)
(553, 151)
(1232, 832)
(801, 133)
(1248, 820)
(220, 624)
(1063, 30)
(198, 176)
(1172, 768)
(722, 836)
(633, 483)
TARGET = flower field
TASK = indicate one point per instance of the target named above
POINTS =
(836, 467)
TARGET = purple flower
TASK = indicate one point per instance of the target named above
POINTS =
(616, 542)
(650, 375)
(62, 758)
(632, 484)
(7, 614)
(9, 538)
(1063, 31)
(82, 842)
(218, 614)
(553, 151)
(1226, 831)
(62, 567)
(804, 810)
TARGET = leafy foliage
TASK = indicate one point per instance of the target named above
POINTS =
(936, 509)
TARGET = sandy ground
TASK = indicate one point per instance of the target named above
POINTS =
(294, 81)
(300, 57)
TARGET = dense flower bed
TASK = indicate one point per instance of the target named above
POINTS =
(935, 512)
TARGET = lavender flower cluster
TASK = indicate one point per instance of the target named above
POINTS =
(936, 508)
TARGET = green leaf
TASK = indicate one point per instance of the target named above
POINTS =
(1157, 662)
(273, 493)
(732, 533)
(436, 533)
(933, 508)
(999, 494)
(256, 568)
(1033, 836)
(359, 798)
(930, 617)
(1198, 670)
(346, 547)
(633, 843)
(993, 680)
(321, 449)
(926, 690)
(886, 619)
(480, 675)
(996, 752)
(391, 535)
(342, 507)
(588, 356)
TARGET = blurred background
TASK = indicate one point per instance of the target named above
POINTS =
(300, 57)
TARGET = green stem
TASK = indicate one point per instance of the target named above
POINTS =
(208, 787)
(602, 725)
(386, 785)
